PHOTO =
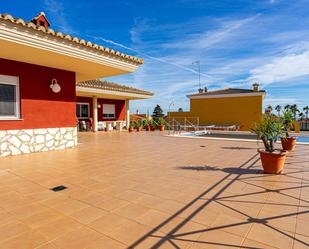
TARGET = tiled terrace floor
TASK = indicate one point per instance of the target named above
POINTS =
(150, 191)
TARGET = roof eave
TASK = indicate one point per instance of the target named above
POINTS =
(87, 91)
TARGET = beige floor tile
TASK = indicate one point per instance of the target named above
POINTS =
(108, 223)
(79, 238)
(132, 211)
(89, 214)
(128, 196)
(112, 204)
(38, 219)
(27, 240)
(58, 227)
(12, 229)
(106, 242)
(254, 244)
(218, 239)
(271, 236)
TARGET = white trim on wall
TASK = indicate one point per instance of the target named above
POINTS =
(12, 80)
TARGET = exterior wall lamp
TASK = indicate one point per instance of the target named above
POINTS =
(56, 88)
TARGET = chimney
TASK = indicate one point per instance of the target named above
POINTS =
(255, 87)
(41, 20)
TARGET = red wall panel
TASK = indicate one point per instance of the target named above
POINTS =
(39, 106)
(119, 106)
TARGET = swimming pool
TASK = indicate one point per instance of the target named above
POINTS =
(243, 136)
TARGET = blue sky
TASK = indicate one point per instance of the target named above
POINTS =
(237, 43)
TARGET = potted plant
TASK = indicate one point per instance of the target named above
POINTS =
(288, 142)
(152, 125)
(161, 124)
(148, 124)
(131, 127)
(269, 130)
(139, 125)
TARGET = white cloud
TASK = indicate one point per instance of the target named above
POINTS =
(57, 12)
(210, 38)
(282, 68)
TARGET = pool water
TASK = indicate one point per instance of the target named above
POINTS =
(303, 139)
(231, 135)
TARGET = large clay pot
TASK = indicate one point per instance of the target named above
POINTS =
(161, 127)
(152, 128)
(147, 127)
(272, 162)
(288, 143)
(138, 129)
(131, 129)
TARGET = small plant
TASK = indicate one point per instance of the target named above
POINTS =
(139, 123)
(288, 120)
(269, 130)
(161, 121)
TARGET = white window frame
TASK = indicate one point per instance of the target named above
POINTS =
(84, 103)
(12, 80)
(114, 107)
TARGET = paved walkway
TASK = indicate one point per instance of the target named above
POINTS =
(150, 191)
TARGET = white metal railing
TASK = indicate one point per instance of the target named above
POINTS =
(179, 124)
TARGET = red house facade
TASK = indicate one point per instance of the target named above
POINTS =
(39, 97)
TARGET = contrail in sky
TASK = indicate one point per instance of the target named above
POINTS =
(148, 56)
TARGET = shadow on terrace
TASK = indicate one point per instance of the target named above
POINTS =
(275, 194)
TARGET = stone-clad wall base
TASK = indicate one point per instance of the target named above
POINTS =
(14, 142)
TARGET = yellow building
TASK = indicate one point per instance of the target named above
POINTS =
(226, 107)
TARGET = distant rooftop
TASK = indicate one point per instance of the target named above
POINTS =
(227, 91)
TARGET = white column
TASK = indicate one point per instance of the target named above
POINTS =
(95, 113)
(127, 114)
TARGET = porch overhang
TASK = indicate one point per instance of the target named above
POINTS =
(109, 94)
(22, 41)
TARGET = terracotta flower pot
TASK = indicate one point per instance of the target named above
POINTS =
(138, 129)
(161, 127)
(131, 129)
(152, 128)
(288, 143)
(147, 127)
(272, 163)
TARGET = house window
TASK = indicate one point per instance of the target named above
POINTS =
(109, 111)
(82, 110)
(9, 97)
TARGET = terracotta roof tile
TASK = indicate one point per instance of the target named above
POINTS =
(21, 22)
(106, 85)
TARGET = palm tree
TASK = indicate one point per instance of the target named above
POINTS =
(294, 110)
(306, 110)
(301, 116)
(278, 109)
(287, 107)
(268, 109)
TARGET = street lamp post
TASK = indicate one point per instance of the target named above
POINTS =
(169, 117)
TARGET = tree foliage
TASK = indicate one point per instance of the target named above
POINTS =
(157, 113)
